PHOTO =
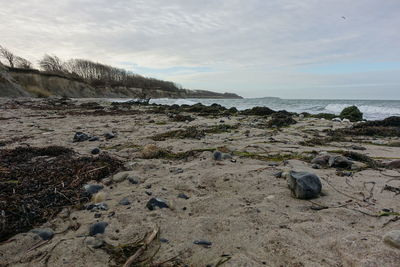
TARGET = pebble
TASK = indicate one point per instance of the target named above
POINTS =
(92, 188)
(182, 195)
(109, 136)
(226, 156)
(316, 166)
(95, 151)
(80, 137)
(125, 201)
(121, 176)
(97, 228)
(392, 238)
(133, 180)
(98, 206)
(176, 170)
(217, 155)
(148, 193)
(304, 185)
(164, 240)
(202, 243)
(154, 203)
(45, 233)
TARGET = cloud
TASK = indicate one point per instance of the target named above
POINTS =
(244, 46)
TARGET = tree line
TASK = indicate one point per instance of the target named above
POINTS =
(93, 73)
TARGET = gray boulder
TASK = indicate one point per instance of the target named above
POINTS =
(321, 160)
(304, 185)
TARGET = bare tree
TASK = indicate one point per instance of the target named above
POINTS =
(23, 63)
(10, 57)
(52, 63)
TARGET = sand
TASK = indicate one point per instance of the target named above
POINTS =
(238, 205)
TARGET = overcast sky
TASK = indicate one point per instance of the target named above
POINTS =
(285, 48)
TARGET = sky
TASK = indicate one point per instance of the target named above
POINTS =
(324, 49)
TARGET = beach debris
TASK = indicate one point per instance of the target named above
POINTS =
(97, 228)
(44, 234)
(392, 238)
(125, 201)
(92, 188)
(304, 185)
(204, 243)
(80, 137)
(95, 151)
(154, 203)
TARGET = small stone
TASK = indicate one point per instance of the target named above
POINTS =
(125, 201)
(93, 188)
(202, 243)
(95, 151)
(304, 185)
(133, 180)
(148, 193)
(97, 215)
(154, 203)
(121, 176)
(109, 136)
(316, 166)
(148, 186)
(217, 155)
(340, 162)
(97, 228)
(94, 138)
(278, 174)
(176, 170)
(182, 195)
(163, 240)
(80, 137)
(322, 160)
(45, 234)
(392, 238)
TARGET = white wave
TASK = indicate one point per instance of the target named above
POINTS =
(337, 108)
(185, 102)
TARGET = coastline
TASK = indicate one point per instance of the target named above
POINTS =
(239, 204)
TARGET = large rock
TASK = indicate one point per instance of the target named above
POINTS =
(352, 113)
(392, 238)
(304, 185)
(321, 160)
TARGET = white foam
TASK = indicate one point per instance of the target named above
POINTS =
(367, 109)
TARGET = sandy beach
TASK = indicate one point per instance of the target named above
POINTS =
(240, 207)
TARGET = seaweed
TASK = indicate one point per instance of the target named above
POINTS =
(36, 183)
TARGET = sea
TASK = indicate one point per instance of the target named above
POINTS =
(372, 109)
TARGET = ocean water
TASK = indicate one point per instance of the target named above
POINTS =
(372, 109)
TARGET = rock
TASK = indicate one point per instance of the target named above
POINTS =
(351, 113)
(97, 228)
(202, 243)
(151, 151)
(392, 238)
(176, 170)
(321, 160)
(340, 162)
(121, 176)
(337, 119)
(94, 242)
(93, 188)
(95, 151)
(395, 164)
(346, 121)
(355, 147)
(45, 233)
(278, 174)
(358, 166)
(182, 195)
(316, 166)
(304, 185)
(344, 173)
(154, 203)
(133, 180)
(94, 138)
(99, 197)
(96, 207)
(125, 201)
(80, 137)
(281, 119)
(109, 136)
(217, 155)
(163, 240)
